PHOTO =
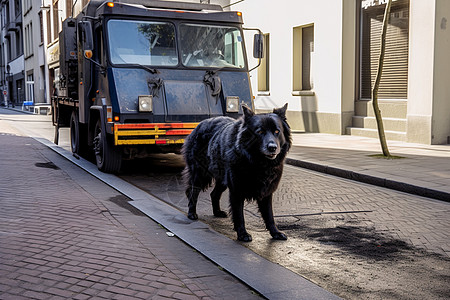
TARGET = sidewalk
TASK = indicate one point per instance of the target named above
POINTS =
(77, 238)
(424, 170)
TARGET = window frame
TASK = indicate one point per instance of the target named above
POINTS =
(361, 84)
(298, 61)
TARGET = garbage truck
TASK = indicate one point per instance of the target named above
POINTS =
(137, 76)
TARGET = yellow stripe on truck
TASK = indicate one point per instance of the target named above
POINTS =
(157, 133)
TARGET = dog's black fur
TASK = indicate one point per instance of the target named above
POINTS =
(246, 156)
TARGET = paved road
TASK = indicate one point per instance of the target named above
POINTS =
(418, 221)
(354, 239)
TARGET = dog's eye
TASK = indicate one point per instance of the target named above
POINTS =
(277, 132)
(260, 131)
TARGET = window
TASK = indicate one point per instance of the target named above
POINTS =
(8, 49)
(19, 91)
(31, 39)
(7, 13)
(303, 51)
(394, 80)
(69, 4)
(19, 43)
(55, 20)
(26, 31)
(142, 42)
(49, 27)
(41, 28)
(27, 5)
(211, 46)
(2, 65)
(263, 69)
(28, 40)
(30, 87)
(42, 82)
(17, 7)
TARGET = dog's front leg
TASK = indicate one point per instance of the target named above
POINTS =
(237, 211)
(265, 208)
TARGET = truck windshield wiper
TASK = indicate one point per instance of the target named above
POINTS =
(153, 71)
(214, 72)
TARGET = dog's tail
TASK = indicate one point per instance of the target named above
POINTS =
(195, 153)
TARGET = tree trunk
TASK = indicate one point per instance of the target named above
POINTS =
(376, 85)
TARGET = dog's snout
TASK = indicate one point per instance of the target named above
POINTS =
(272, 147)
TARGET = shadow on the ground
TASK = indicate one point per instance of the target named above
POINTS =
(354, 239)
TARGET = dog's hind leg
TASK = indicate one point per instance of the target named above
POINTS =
(265, 208)
(192, 193)
(215, 199)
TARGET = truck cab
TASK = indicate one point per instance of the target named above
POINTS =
(138, 76)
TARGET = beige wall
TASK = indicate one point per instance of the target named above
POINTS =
(348, 64)
(441, 75)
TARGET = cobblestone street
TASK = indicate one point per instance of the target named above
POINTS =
(354, 239)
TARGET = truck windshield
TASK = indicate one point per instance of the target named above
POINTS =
(211, 46)
(141, 42)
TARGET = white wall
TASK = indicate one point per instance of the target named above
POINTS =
(421, 40)
(279, 18)
(429, 72)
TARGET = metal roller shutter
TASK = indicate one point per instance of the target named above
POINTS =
(394, 81)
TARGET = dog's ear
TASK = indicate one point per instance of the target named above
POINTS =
(281, 112)
(248, 113)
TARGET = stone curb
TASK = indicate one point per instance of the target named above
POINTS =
(373, 180)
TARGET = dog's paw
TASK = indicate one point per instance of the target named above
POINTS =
(192, 216)
(279, 236)
(220, 214)
(245, 237)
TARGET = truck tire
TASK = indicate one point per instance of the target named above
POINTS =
(78, 136)
(107, 157)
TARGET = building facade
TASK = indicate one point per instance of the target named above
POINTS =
(12, 81)
(322, 58)
(35, 62)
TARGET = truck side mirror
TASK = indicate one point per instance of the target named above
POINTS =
(258, 45)
(86, 38)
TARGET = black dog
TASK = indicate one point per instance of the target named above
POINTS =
(245, 155)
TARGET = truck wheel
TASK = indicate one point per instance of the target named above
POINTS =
(74, 133)
(108, 157)
(78, 136)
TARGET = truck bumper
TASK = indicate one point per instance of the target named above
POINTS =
(152, 133)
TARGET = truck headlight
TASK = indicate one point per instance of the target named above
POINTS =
(146, 103)
(232, 104)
